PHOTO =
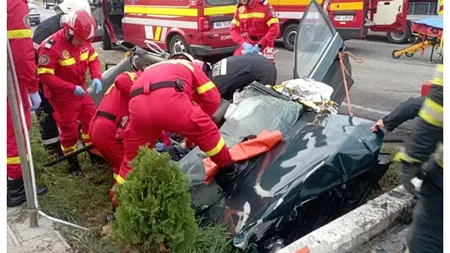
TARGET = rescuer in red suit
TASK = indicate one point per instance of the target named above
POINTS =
(64, 58)
(258, 20)
(19, 37)
(113, 107)
(163, 99)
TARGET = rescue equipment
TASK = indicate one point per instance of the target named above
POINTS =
(430, 32)
(245, 150)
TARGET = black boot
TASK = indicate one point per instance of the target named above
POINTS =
(97, 161)
(54, 149)
(16, 192)
(74, 166)
(226, 177)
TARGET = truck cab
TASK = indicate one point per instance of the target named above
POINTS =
(199, 27)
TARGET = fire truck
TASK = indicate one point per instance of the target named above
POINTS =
(201, 27)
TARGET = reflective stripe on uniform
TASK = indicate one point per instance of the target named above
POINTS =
(402, 156)
(109, 89)
(19, 34)
(252, 15)
(272, 21)
(86, 139)
(120, 179)
(84, 56)
(14, 160)
(438, 78)
(432, 113)
(236, 23)
(41, 71)
(439, 155)
(217, 148)
(67, 62)
(131, 75)
(68, 150)
(93, 56)
(205, 87)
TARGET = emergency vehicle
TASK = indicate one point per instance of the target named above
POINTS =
(199, 27)
(202, 27)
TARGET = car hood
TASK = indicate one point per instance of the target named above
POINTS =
(312, 158)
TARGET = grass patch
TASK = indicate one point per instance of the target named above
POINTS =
(85, 201)
(390, 180)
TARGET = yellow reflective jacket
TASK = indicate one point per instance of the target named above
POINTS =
(427, 136)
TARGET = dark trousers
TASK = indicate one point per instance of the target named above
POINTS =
(47, 126)
(425, 234)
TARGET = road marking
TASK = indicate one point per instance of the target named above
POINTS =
(359, 107)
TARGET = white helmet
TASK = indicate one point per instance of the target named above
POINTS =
(67, 6)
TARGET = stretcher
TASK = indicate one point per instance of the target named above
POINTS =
(428, 33)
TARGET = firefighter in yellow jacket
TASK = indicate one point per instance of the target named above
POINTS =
(423, 158)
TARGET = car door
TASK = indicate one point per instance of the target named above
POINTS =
(390, 15)
(317, 49)
(98, 10)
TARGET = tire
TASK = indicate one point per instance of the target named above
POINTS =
(46, 5)
(289, 36)
(399, 37)
(393, 54)
(106, 42)
(177, 43)
(409, 54)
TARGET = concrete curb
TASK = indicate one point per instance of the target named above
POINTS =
(357, 227)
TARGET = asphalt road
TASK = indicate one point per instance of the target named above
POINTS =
(381, 83)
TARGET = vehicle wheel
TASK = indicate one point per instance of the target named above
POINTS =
(106, 42)
(395, 56)
(400, 37)
(46, 4)
(409, 54)
(289, 36)
(177, 44)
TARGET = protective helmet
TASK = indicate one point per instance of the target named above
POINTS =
(183, 56)
(81, 25)
(67, 6)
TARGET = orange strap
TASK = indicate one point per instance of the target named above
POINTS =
(344, 70)
(263, 142)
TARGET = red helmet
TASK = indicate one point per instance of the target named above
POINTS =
(80, 24)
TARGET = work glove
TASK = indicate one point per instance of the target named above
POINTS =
(35, 100)
(407, 172)
(79, 91)
(248, 48)
(256, 49)
(98, 85)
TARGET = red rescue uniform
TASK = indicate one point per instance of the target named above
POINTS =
(162, 99)
(110, 111)
(61, 67)
(258, 22)
(19, 35)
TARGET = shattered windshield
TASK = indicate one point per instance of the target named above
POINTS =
(313, 38)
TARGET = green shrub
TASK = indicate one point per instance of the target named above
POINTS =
(155, 206)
